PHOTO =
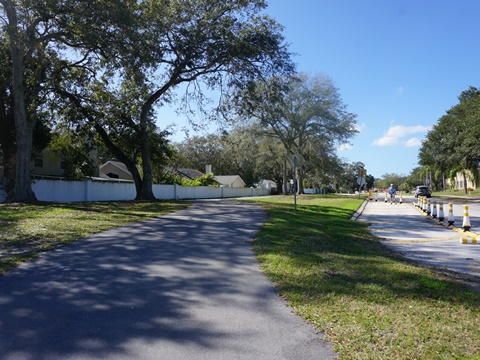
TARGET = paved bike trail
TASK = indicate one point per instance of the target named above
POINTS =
(409, 231)
(182, 286)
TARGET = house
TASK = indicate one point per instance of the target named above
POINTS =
(118, 170)
(190, 174)
(115, 170)
(459, 181)
(230, 181)
(267, 184)
(47, 163)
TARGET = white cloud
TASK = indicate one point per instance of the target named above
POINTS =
(386, 141)
(413, 142)
(400, 90)
(402, 131)
(395, 135)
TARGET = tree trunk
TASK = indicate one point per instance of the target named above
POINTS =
(299, 180)
(285, 182)
(147, 183)
(465, 184)
(120, 155)
(22, 191)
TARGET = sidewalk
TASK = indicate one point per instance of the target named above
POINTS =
(182, 286)
(407, 230)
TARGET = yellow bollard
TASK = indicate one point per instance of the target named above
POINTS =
(466, 240)
(451, 218)
(466, 220)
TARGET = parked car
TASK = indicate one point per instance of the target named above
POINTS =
(422, 191)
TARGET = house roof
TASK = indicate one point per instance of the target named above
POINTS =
(228, 179)
(117, 164)
(191, 173)
(265, 182)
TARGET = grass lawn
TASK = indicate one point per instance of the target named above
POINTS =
(470, 194)
(369, 302)
(27, 230)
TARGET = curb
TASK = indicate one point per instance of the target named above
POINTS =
(359, 211)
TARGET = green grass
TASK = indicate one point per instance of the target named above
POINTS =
(471, 194)
(27, 230)
(367, 300)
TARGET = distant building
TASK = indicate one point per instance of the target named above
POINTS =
(459, 181)
(47, 163)
(233, 181)
(118, 170)
(115, 170)
(267, 184)
(52, 164)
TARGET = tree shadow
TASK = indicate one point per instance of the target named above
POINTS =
(135, 287)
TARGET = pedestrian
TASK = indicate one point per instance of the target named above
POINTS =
(392, 191)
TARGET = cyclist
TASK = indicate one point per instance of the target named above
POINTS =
(392, 191)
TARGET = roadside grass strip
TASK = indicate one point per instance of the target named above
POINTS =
(369, 301)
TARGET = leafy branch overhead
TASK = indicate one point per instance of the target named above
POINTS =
(112, 64)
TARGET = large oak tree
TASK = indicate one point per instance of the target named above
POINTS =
(149, 46)
(304, 112)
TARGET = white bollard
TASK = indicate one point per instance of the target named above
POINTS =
(386, 197)
(451, 218)
(441, 216)
(434, 209)
(429, 209)
(466, 220)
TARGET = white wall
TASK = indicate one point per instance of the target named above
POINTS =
(77, 191)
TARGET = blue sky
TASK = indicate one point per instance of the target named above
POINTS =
(399, 65)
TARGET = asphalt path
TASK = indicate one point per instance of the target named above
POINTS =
(409, 231)
(182, 286)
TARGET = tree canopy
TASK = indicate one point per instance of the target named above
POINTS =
(452, 144)
(115, 62)
(304, 112)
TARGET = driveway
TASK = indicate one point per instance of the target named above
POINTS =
(407, 230)
(182, 286)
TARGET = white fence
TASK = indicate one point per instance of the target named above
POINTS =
(78, 191)
(314, 191)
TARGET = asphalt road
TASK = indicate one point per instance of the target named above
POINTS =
(182, 286)
(418, 237)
